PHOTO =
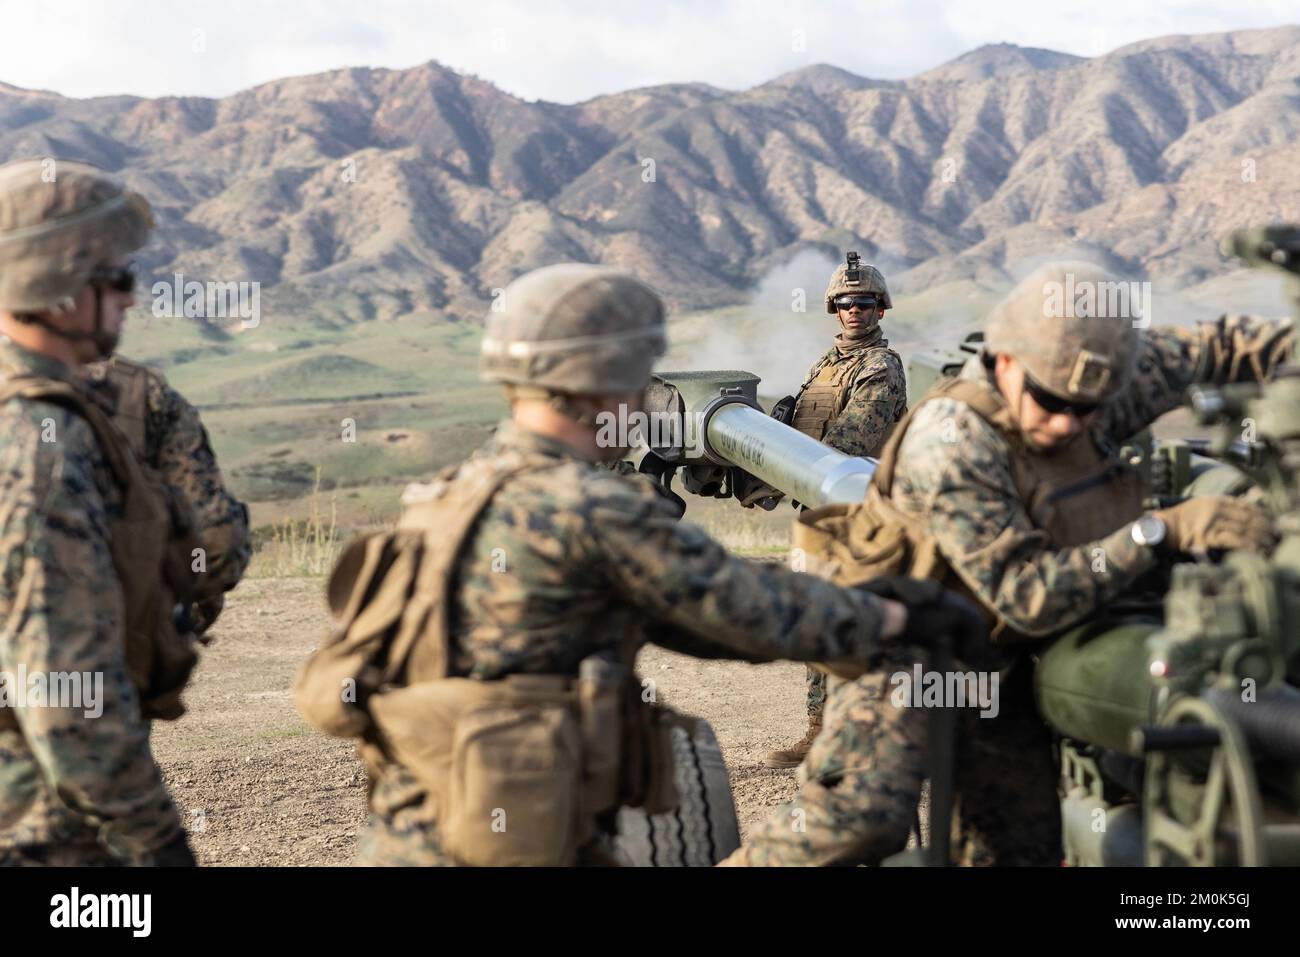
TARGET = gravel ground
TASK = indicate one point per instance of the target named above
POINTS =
(258, 787)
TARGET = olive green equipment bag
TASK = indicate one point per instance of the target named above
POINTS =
(515, 770)
(152, 544)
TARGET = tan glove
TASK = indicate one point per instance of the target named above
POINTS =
(1216, 521)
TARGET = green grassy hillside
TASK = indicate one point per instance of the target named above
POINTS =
(377, 404)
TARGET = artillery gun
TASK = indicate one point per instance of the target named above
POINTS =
(1179, 721)
(1177, 712)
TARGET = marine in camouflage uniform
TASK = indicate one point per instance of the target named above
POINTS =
(850, 399)
(166, 431)
(1035, 571)
(568, 559)
(74, 789)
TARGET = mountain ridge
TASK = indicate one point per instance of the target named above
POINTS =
(377, 193)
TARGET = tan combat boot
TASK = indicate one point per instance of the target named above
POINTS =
(793, 756)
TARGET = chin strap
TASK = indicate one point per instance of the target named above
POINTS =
(104, 344)
(558, 401)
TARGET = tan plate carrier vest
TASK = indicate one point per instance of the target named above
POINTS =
(516, 770)
(1076, 496)
(822, 400)
(131, 416)
(132, 410)
(152, 550)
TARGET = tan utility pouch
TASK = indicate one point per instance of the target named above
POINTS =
(852, 544)
(501, 761)
(368, 590)
(517, 769)
(514, 791)
(601, 689)
(160, 657)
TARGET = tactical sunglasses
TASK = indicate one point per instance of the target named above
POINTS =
(1054, 404)
(862, 302)
(118, 278)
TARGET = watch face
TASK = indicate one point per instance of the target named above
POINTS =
(1148, 530)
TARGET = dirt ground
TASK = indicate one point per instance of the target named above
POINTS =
(258, 787)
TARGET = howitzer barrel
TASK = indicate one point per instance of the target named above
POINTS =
(1271, 722)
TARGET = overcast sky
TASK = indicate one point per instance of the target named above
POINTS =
(564, 51)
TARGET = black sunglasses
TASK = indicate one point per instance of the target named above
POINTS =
(1054, 404)
(862, 302)
(118, 278)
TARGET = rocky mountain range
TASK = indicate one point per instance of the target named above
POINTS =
(377, 193)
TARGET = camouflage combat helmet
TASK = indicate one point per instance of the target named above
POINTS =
(851, 277)
(59, 220)
(1071, 325)
(574, 328)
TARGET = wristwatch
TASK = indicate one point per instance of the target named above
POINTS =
(1149, 530)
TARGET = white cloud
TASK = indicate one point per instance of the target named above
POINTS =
(557, 51)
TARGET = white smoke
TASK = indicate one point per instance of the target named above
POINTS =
(772, 337)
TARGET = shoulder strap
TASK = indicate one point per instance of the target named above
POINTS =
(444, 512)
(132, 415)
(849, 373)
(983, 400)
(821, 363)
(980, 396)
(68, 396)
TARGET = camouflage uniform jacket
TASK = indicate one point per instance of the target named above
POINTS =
(853, 395)
(862, 778)
(171, 438)
(568, 560)
(953, 472)
(67, 780)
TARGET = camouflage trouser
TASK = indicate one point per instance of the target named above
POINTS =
(400, 842)
(394, 843)
(70, 855)
(862, 779)
(816, 692)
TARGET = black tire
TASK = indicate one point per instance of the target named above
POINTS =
(702, 830)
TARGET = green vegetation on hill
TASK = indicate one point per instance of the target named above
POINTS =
(375, 405)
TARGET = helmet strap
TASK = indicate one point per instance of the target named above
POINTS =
(565, 405)
(559, 401)
(104, 344)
